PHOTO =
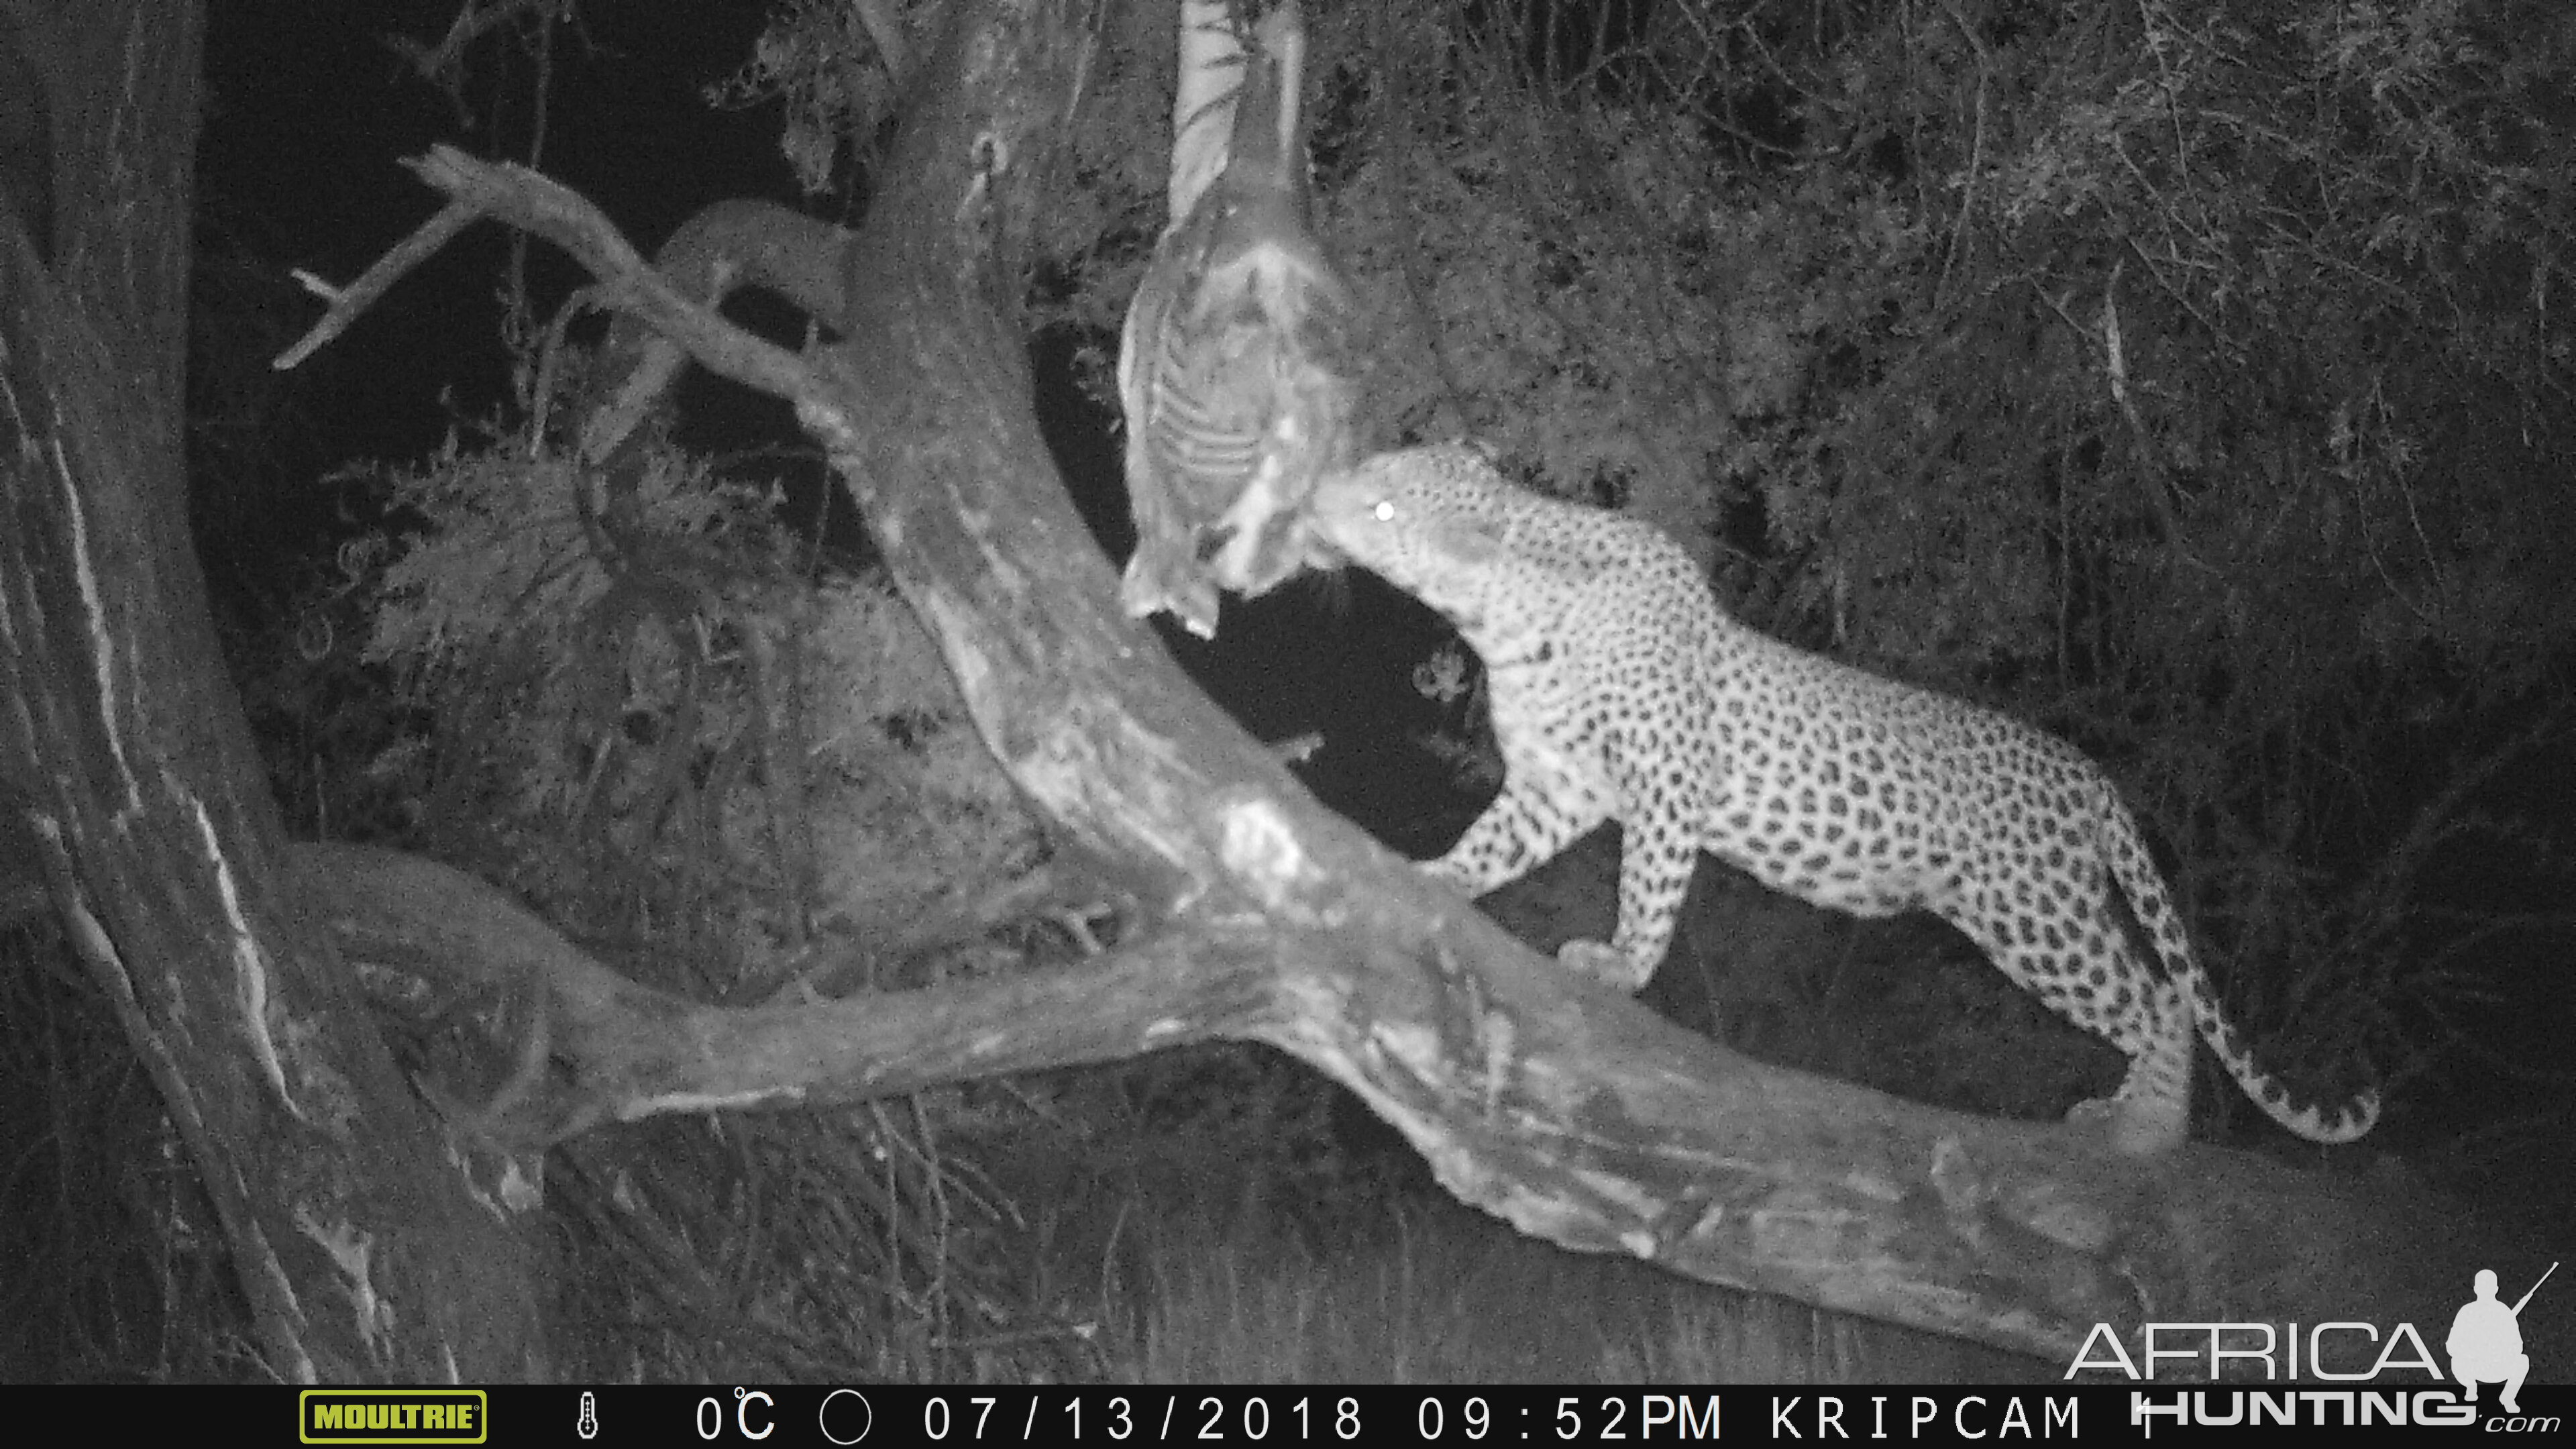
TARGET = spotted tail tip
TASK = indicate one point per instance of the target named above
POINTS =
(2320, 1124)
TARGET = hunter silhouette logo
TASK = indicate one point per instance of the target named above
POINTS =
(2486, 1341)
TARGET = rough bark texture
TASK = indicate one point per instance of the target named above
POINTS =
(1574, 1114)
(129, 778)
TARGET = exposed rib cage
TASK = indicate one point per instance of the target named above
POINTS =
(1233, 366)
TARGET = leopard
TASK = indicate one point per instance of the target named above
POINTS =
(1620, 689)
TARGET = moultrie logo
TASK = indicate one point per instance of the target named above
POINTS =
(2486, 1341)
(393, 1416)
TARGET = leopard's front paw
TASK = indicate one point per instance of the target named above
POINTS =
(1602, 962)
(2135, 1128)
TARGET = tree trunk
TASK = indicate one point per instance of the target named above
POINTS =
(127, 771)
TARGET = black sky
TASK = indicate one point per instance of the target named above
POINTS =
(309, 112)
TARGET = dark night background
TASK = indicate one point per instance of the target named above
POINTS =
(308, 111)
(309, 108)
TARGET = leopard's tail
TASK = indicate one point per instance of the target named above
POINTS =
(2153, 906)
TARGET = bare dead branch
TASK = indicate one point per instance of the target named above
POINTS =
(720, 250)
(348, 302)
(627, 283)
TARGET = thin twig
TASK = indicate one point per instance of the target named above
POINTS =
(347, 302)
(1976, 158)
